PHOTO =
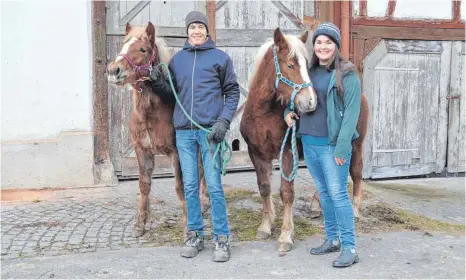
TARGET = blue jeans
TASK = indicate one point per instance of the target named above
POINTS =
(187, 143)
(331, 181)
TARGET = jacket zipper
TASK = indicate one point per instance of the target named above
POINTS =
(192, 86)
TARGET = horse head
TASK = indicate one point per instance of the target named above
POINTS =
(137, 56)
(293, 84)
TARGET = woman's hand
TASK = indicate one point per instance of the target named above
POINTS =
(289, 118)
(340, 161)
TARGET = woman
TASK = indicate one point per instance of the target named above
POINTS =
(327, 135)
(206, 84)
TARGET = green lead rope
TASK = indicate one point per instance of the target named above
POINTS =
(223, 148)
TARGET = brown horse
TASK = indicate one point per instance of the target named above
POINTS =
(151, 126)
(263, 126)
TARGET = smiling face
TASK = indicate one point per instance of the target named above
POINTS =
(324, 49)
(197, 34)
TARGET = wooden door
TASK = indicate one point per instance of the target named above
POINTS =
(242, 26)
(406, 82)
(457, 122)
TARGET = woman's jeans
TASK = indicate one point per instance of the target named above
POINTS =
(331, 181)
(187, 143)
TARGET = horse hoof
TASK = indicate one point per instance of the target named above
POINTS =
(261, 235)
(138, 232)
(285, 247)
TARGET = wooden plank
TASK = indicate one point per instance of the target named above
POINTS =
(113, 16)
(249, 37)
(369, 85)
(442, 128)
(403, 170)
(390, 8)
(363, 8)
(211, 11)
(390, 22)
(309, 8)
(456, 10)
(456, 123)
(220, 5)
(288, 14)
(133, 12)
(414, 46)
(441, 34)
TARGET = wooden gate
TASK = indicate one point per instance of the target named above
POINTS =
(241, 27)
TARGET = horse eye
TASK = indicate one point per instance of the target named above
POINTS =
(142, 50)
(290, 66)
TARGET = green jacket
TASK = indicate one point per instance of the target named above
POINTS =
(342, 117)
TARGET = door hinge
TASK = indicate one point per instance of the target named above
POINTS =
(454, 96)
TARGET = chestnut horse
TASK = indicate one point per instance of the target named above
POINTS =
(151, 125)
(263, 126)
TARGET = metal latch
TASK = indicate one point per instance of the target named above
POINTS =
(454, 96)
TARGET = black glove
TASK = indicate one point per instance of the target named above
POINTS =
(161, 85)
(219, 129)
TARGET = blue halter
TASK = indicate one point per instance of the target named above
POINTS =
(294, 149)
(280, 77)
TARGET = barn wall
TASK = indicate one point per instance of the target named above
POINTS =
(46, 106)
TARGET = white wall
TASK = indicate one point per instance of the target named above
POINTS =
(413, 9)
(46, 94)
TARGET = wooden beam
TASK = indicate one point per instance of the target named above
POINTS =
(414, 33)
(288, 14)
(390, 8)
(456, 10)
(103, 168)
(363, 8)
(337, 13)
(345, 28)
(389, 22)
(134, 12)
(220, 4)
(211, 11)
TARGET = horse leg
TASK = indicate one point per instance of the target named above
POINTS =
(285, 240)
(146, 166)
(356, 175)
(180, 189)
(264, 173)
(204, 194)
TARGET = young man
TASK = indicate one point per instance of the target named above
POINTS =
(206, 84)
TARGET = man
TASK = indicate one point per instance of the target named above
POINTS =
(206, 84)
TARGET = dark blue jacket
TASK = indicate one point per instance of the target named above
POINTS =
(206, 84)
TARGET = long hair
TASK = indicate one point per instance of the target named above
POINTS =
(336, 63)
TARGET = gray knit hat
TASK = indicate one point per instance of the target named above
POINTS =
(196, 16)
(329, 29)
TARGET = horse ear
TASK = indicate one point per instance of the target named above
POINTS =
(150, 31)
(279, 39)
(304, 36)
(128, 28)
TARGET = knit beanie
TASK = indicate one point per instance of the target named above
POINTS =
(328, 29)
(196, 16)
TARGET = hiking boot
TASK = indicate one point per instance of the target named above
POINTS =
(347, 257)
(193, 244)
(221, 249)
(327, 247)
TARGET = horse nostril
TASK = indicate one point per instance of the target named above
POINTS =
(117, 71)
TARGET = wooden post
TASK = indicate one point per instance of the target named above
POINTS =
(345, 26)
(211, 12)
(104, 173)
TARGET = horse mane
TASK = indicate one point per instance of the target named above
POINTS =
(297, 47)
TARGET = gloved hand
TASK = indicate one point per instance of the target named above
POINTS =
(156, 76)
(219, 130)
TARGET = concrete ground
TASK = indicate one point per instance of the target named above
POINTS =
(86, 233)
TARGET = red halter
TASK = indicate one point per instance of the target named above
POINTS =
(138, 68)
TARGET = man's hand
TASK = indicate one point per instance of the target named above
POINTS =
(156, 75)
(219, 130)
(340, 161)
(289, 118)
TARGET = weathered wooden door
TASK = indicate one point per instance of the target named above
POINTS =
(457, 122)
(242, 26)
(407, 86)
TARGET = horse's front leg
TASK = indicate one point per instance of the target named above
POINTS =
(285, 240)
(146, 166)
(180, 189)
(264, 172)
(356, 175)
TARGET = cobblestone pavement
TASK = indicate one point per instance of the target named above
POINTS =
(98, 219)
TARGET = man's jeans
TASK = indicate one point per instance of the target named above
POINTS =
(187, 142)
(331, 181)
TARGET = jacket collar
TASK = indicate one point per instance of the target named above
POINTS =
(209, 44)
